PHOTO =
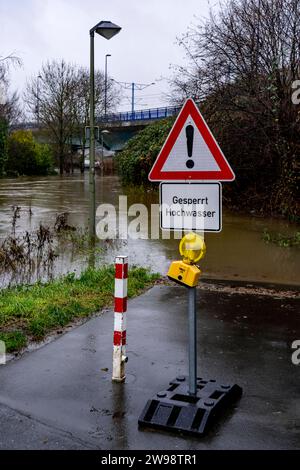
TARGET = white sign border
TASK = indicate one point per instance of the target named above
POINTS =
(191, 183)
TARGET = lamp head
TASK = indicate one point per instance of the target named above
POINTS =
(107, 29)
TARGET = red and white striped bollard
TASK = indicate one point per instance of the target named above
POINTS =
(119, 351)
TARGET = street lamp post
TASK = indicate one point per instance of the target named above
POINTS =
(107, 29)
(105, 86)
(105, 131)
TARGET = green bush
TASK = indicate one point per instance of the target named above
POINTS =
(135, 161)
(26, 156)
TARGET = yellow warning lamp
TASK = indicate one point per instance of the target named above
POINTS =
(185, 272)
(192, 248)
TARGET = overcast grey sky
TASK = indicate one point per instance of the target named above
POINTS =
(38, 30)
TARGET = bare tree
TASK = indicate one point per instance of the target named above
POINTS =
(59, 99)
(5, 63)
(9, 106)
(54, 92)
(242, 62)
(9, 102)
(245, 40)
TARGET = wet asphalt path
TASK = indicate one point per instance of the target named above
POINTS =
(61, 396)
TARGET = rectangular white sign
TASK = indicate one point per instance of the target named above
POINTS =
(191, 206)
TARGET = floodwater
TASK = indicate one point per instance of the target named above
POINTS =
(238, 252)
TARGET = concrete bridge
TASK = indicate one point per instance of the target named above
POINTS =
(141, 118)
(122, 126)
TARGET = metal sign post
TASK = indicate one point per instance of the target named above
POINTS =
(190, 167)
(192, 340)
(189, 404)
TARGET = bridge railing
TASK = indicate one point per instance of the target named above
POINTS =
(24, 125)
(141, 115)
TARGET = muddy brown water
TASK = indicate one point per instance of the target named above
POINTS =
(238, 252)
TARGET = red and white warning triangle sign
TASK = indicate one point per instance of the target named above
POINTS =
(191, 151)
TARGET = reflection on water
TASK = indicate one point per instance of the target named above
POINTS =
(238, 252)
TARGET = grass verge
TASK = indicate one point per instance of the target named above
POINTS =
(29, 312)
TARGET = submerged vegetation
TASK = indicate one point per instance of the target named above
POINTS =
(284, 241)
(30, 256)
(23, 255)
(29, 312)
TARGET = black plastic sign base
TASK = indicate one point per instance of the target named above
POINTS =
(176, 410)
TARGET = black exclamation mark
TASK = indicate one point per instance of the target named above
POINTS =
(189, 131)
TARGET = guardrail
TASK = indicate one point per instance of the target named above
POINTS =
(24, 125)
(141, 115)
